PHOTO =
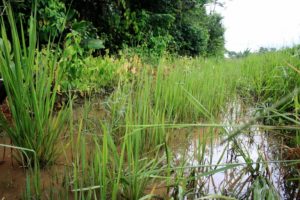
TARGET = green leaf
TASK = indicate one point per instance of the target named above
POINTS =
(93, 44)
(81, 26)
(2, 45)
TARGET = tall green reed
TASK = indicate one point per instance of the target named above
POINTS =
(108, 169)
(31, 78)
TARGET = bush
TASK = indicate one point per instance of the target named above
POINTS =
(93, 74)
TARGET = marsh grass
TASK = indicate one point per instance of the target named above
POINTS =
(112, 171)
(185, 90)
(31, 80)
(119, 156)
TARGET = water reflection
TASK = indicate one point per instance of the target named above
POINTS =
(253, 149)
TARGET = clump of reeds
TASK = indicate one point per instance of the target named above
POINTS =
(31, 79)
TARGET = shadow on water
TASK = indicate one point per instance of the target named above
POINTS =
(260, 154)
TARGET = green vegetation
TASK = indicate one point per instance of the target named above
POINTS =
(178, 26)
(144, 112)
(126, 144)
(31, 79)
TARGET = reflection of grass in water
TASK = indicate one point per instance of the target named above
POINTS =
(256, 169)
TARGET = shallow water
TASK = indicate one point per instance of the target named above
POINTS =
(204, 149)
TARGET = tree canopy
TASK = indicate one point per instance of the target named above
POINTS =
(179, 26)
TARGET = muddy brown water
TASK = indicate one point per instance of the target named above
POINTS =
(200, 148)
(204, 150)
(13, 176)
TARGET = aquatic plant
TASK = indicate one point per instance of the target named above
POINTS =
(31, 78)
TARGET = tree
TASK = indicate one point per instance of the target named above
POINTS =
(183, 25)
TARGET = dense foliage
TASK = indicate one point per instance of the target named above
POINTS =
(179, 26)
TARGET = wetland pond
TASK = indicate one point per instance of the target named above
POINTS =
(258, 154)
(252, 162)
